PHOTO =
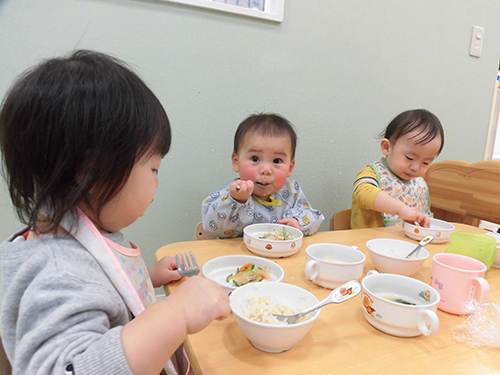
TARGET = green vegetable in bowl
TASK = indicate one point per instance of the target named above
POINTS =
(278, 236)
(249, 273)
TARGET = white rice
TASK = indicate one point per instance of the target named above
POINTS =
(261, 309)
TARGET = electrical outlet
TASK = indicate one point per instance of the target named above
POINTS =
(476, 43)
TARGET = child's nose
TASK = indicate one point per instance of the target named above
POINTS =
(414, 166)
(266, 169)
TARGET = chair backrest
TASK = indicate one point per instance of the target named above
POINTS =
(465, 192)
(5, 368)
(200, 234)
(341, 220)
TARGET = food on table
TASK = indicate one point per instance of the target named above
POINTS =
(249, 273)
(261, 309)
(278, 236)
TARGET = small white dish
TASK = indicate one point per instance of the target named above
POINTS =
(441, 231)
(254, 241)
(388, 256)
(218, 269)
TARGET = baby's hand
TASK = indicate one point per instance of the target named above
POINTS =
(203, 300)
(291, 221)
(164, 271)
(241, 190)
(412, 216)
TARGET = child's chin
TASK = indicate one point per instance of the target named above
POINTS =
(263, 193)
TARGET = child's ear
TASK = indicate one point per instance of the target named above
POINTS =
(385, 145)
(292, 164)
(234, 159)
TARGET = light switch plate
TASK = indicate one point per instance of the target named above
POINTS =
(476, 43)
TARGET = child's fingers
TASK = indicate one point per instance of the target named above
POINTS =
(250, 186)
(424, 220)
(290, 221)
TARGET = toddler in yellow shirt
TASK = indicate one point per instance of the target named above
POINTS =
(393, 189)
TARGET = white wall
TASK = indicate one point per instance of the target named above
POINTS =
(339, 70)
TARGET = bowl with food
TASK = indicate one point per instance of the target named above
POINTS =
(272, 240)
(441, 231)
(388, 256)
(399, 305)
(234, 271)
(253, 306)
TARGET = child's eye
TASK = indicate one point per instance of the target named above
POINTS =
(155, 171)
(255, 159)
(408, 158)
(277, 161)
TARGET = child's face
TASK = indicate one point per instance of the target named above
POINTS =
(134, 198)
(266, 161)
(407, 159)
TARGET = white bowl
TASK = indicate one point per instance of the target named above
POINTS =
(271, 248)
(268, 337)
(330, 265)
(388, 256)
(496, 236)
(218, 269)
(399, 305)
(440, 229)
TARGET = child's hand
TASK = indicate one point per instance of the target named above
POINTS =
(241, 190)
(411, 216)
(203, 300)
(291, 221)
(164, 272)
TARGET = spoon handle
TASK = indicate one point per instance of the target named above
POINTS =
(340, 294)
(423, 242)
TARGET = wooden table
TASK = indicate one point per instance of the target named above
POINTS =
(341, 341)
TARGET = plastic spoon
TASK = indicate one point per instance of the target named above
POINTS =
(423, 242)
(338, 295)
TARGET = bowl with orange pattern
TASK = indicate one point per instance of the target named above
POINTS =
(441, 231)
(272, 240)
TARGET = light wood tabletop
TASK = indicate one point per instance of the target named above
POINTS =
(340, 341)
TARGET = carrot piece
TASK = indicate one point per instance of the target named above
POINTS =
(245, 267)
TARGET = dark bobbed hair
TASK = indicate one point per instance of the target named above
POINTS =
(75, 125)
(426, 123)
(265, 124)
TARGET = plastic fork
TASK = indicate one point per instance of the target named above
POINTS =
(185, 267)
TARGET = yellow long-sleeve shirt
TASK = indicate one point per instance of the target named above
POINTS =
(365, 189)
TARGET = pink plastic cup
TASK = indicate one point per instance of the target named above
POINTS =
(458, 279)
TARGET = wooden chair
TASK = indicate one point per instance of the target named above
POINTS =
(465, 192)
(341, 220)
(201, 234)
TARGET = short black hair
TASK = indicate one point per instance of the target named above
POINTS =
(75, 124)
(428, 125)
(266, 124)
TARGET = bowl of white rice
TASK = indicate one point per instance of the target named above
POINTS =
(253, 306)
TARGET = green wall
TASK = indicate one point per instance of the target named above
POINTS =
(339, 70)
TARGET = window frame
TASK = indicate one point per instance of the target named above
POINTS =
(274, 9)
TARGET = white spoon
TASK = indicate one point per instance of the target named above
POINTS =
(340, 294)
(423, 242)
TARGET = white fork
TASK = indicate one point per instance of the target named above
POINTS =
(184, 265)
